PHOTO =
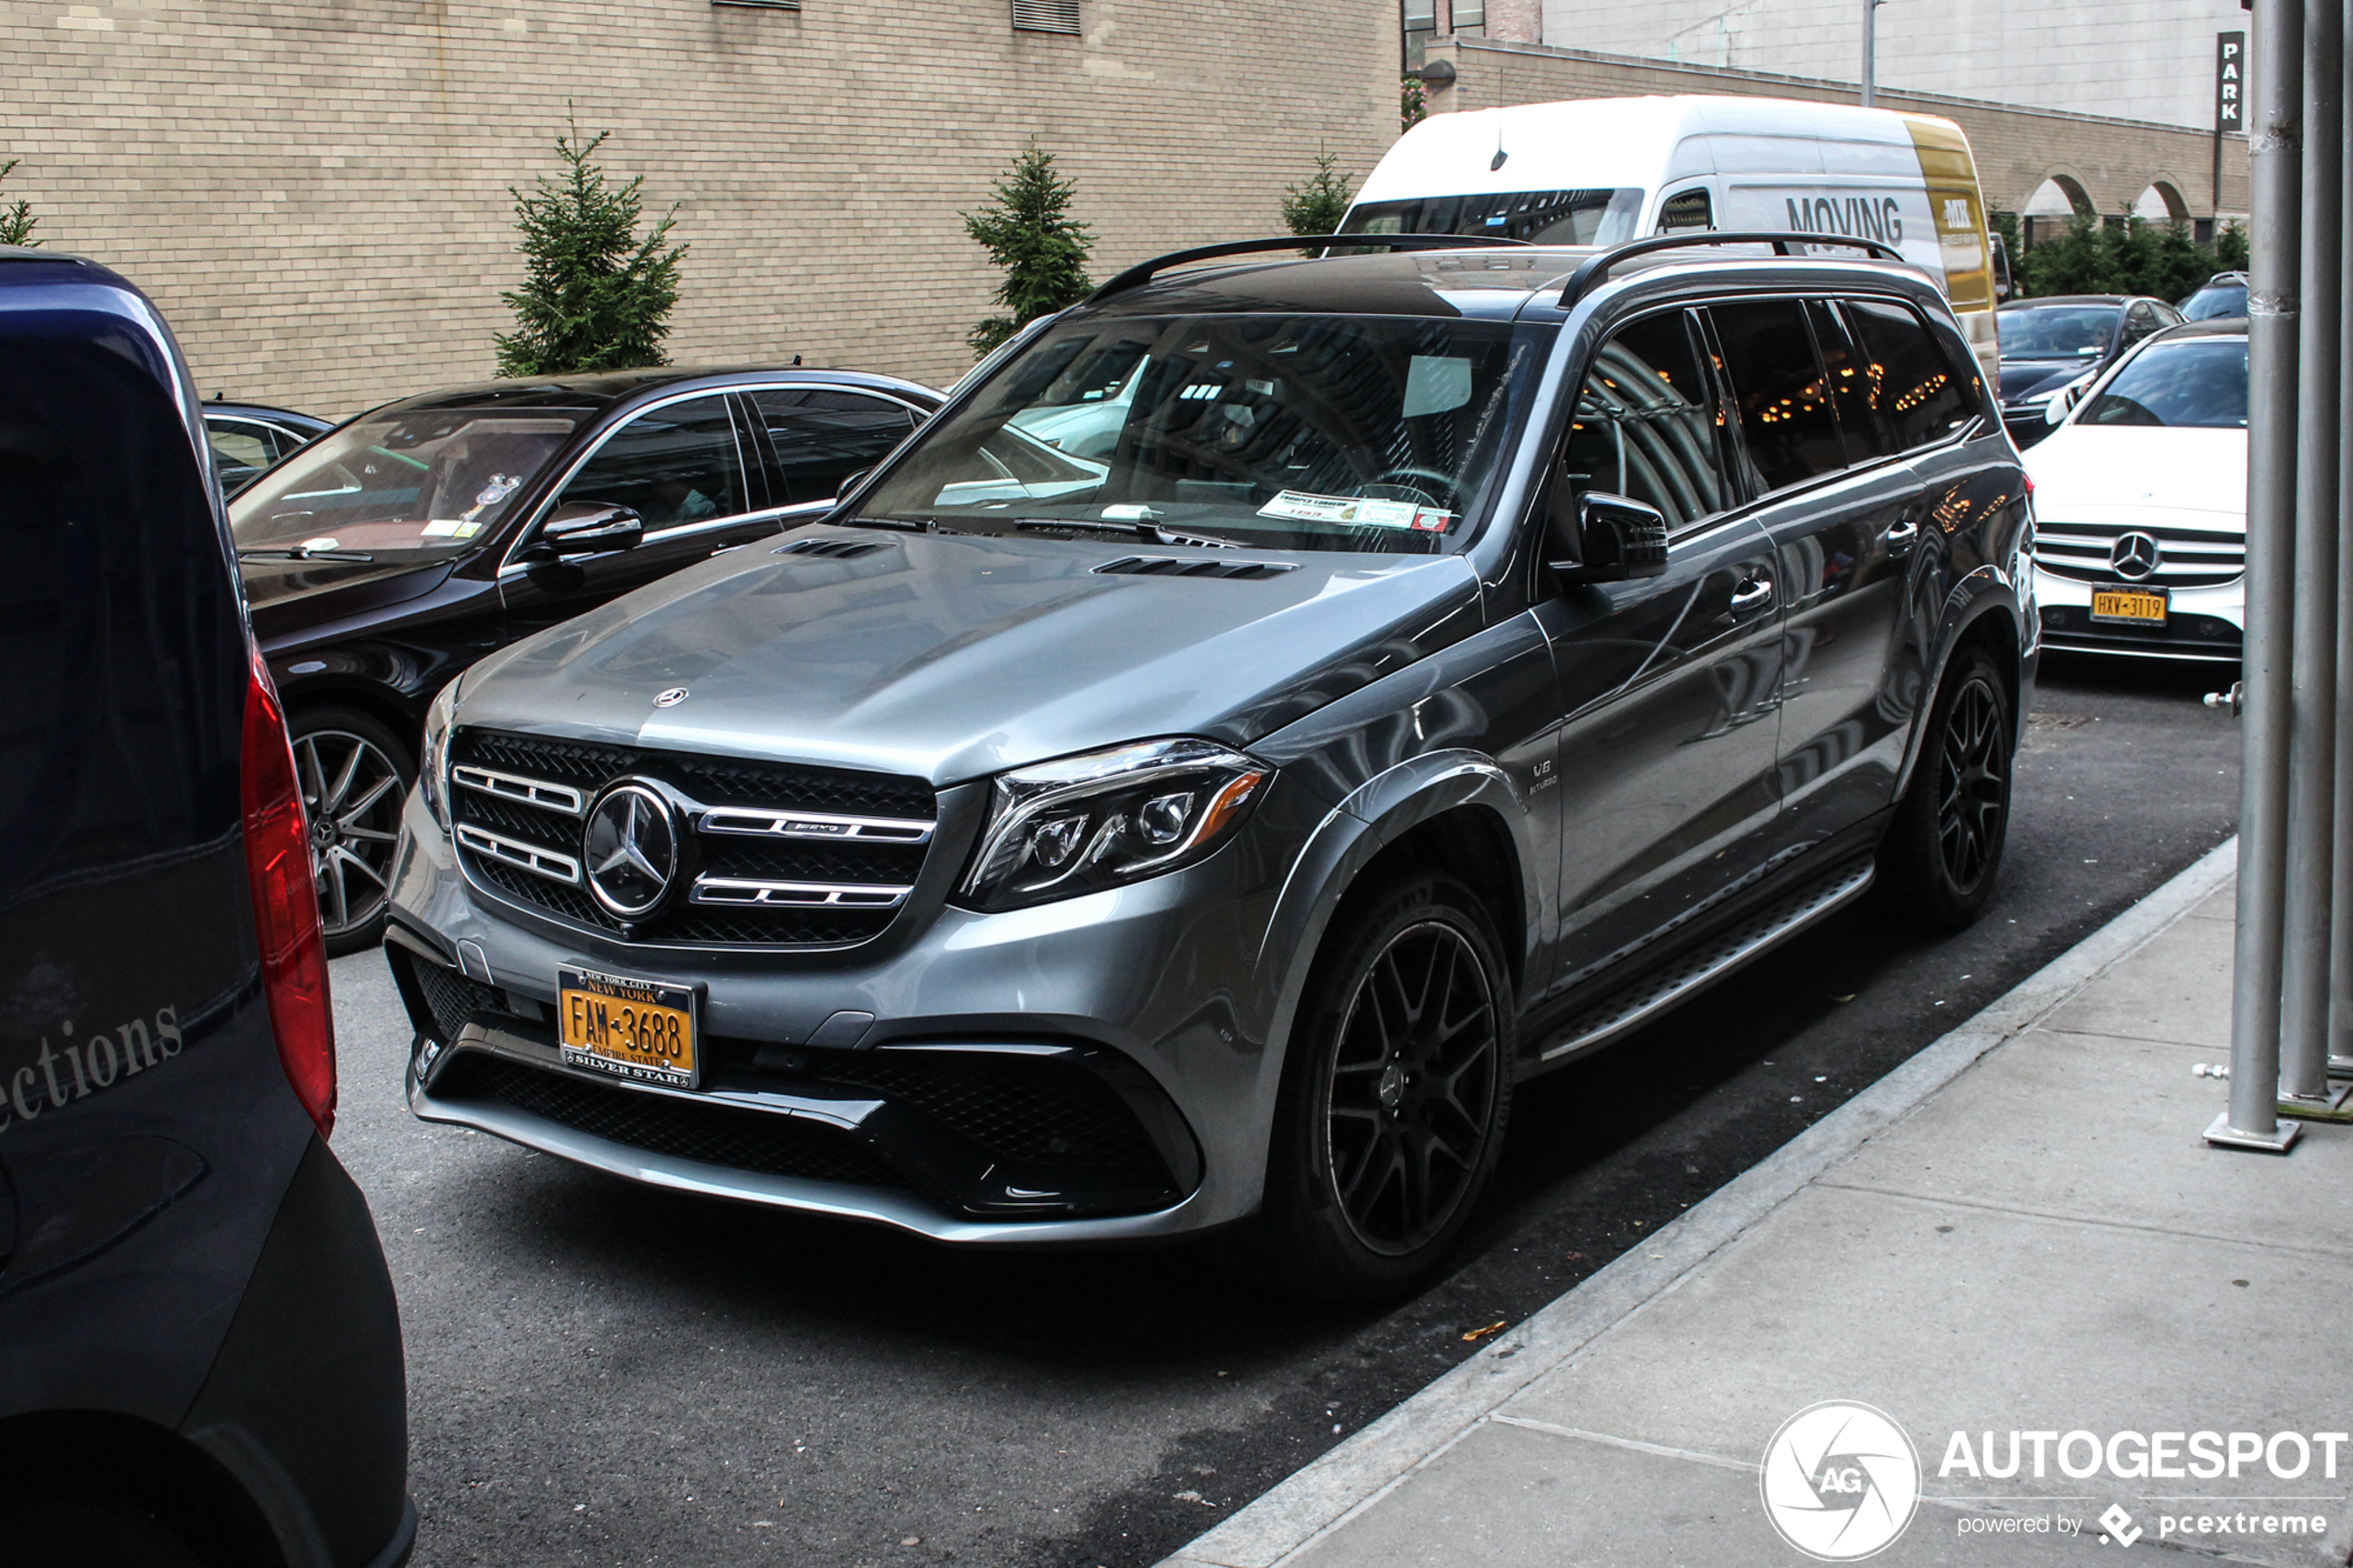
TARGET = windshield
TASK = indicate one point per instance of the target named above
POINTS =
(1549, 218)
(2197, 385)
(1328, 432)
(2058, 331)
(423, 482)
(2216, 301)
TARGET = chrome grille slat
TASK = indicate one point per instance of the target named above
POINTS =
(825, 826)
(743, 891)
(515, 852)
(514, 786)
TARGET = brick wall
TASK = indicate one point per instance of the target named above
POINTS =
(2017, 149)
(315, 191)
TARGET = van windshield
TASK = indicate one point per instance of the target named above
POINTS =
(1601, 217)
(1328, 432)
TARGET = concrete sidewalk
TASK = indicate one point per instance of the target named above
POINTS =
(2020, 1230)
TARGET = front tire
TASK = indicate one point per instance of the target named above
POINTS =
(1394, 1096)
(1943, 850)
(355, 774)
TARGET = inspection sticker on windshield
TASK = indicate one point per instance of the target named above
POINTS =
(1356, 511)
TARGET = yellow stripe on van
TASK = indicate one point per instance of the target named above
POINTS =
(1950, 174)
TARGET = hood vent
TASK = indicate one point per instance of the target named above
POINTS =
(831, 549)
(1171, 566)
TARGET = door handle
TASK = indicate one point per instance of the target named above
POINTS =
(1754, 594)
(1906, 532)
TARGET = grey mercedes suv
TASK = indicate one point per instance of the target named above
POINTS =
(1445, 659)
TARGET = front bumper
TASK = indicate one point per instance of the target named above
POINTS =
(2201, 624)
(1083, 1072)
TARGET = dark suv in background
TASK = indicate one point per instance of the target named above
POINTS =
(387, 556)
(1451, 659)
(200, 1357)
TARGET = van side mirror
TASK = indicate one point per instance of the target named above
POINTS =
(586, 528)
(1591, 536)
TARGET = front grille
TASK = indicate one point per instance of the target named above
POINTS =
(800, 869)
(1017, 1109)
(2187, 558)
(773, 1143)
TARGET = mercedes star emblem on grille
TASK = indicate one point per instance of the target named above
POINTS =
(2136, 556)
(630, 850)
(672, 697)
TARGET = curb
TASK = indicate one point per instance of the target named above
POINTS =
(1361, 1471)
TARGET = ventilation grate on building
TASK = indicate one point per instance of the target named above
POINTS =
(1046, 16)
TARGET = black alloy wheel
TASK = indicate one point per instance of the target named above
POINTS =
(1395, 1095)
(1943, 850)
(355, 774)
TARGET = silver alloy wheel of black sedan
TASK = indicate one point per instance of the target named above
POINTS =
(1412, 1088)
(351, 792)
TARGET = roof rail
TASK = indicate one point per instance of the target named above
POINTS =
(1143, 272)
(1595, 270)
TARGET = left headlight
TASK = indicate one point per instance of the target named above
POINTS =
(1109, 818)
(433, 763)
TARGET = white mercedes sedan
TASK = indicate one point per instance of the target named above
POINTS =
(2140, 503)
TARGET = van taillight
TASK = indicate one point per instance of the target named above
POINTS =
(285, 905)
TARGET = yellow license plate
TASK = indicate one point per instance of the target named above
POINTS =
(641, 1029)
(2129, 607)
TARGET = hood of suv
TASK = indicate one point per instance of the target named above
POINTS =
(950, 656)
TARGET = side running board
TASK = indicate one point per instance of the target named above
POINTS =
(1653, 995)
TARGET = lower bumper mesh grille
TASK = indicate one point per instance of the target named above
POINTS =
(744, 1140)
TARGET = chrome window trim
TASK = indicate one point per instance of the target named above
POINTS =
(530, 530)
(516, 853)
(830, 827)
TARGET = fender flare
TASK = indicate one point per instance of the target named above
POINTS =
(1373, 816)
(1986, 591)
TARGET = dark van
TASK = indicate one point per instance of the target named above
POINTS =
(200, 1357)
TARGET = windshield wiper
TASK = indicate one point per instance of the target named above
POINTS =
(1151, 532)
(299, 552)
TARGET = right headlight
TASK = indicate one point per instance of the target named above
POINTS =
(1108, 818)
(433, 763)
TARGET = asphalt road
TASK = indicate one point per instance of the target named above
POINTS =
(602, 1374)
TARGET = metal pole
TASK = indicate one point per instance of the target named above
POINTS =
(2341, 901)
(1870, 51)
(2274, 178)
(2312, 813)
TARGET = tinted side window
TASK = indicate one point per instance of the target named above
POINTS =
(672, 465)
(822, 437)
(1779, 388)
(1865, 433)
(1644, 426)
(1914, 386)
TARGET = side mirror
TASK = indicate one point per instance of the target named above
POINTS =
(587, 528)
(1591, 536)
(851, 481)
(2064, 399)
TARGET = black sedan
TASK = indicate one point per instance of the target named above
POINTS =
(248, 437)
(391, 552)
(2046, 343)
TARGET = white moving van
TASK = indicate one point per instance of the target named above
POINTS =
(1600, 171)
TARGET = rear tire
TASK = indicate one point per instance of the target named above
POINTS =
(355, 774)
(1943, 850)
(1395, 1094)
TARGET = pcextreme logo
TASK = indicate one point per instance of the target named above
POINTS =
(1840, 1481)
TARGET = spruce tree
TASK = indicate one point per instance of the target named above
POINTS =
(595, 294)
(1316, 205)
(16, 220)
(1029, 233)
